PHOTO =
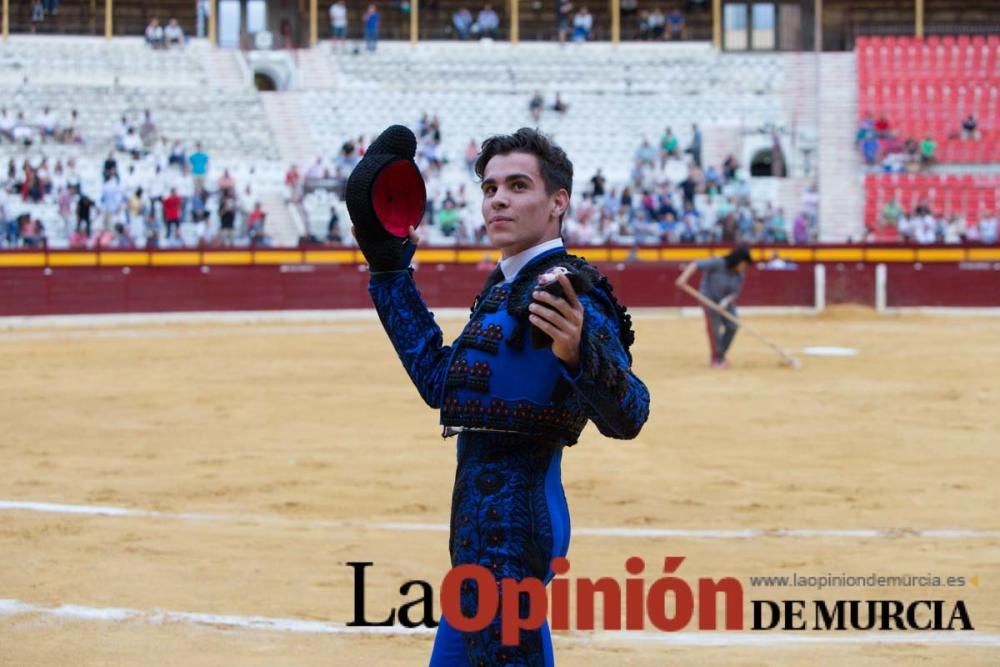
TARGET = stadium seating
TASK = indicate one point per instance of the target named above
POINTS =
(928, 86)
(965, 195)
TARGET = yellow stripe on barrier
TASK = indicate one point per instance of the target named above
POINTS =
(428, 255)
(227, 257)
(984, 254)
(890, 255)
(73, 259)
(22, 259)
(330, 256)
(619, 254)
(591, 254)
(476, 256)
(648, 254)
(683, 254)
(175, 258)
(940, 254)
(277, 257)
(839, 254)
(123, 259)
(796, 254)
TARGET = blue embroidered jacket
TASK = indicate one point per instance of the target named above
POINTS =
(493, 378)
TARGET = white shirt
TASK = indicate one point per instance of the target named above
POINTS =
(513, 265)
(338, 15)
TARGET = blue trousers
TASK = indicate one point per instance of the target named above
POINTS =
(509, 515)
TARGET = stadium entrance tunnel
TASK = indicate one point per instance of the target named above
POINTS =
(763, 164)
(272, 70)
(263, 81)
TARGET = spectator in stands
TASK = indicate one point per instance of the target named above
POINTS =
(645, 155)
(48, 124)
(869, 148)
(882, 126)
(800, 229)
(71, 134)
(154, 34)
(226, 184)
(988, 228)
(255, 225)
(111, 202)
(668, 146)
(891, 212)
(199, 165)
(471, 153)
(560, 106)
(32, 231)
(563, 9)
(694, 148)
(23, 133)
(729, 168)
(227, 220)
(713, 180)
(629, 7)
(173, 34)
(293, 184)
(461, 21)
(583, 24)
(676, 24)
(84, 210)
(928, 150)
(37, 15)
(487, 22)
(655, 24)
(776, 230)
(970, 127)
(177, 156)
(810, 206)
(172, 207)
(536, 105)
(371, 20)
(597, 185)
(132, 144)
(204, 8)
(135, 213)
(338, 25)
(447, 218)
(866, 127)
(333, 235)
(954, 230)
(72, 177)
(147, 130)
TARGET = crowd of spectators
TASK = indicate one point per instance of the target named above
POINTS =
(672, 200)
(46, 126)
(669, 197)
(164, 37)
(923, 226)
(883, 146)
(150, 186)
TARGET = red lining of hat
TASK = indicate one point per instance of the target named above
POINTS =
(399, 197)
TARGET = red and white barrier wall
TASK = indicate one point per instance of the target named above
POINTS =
(67, 282)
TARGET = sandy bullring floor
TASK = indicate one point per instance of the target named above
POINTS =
(256, 459)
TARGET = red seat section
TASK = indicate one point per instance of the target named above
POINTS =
(927, 86)
(966, 195)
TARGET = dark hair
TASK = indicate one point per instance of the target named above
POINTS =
(737, 255)
(555, 167)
